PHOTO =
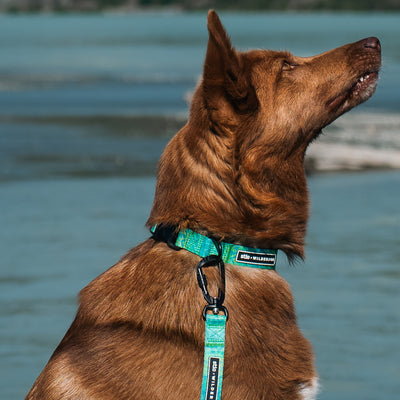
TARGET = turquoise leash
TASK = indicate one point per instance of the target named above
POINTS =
(215, 323)
(214, 349)
(214, 254)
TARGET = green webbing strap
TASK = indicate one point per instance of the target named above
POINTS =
(214, 348)
(233, 254)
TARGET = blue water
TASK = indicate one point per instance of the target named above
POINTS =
(141, 63)
(87, 103)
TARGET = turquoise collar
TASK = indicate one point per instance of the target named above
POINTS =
(204, 246)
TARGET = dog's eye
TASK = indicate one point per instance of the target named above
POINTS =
(287, 66)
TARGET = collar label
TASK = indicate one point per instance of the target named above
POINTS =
(248, 257)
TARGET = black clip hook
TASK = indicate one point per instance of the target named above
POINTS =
(214, 260)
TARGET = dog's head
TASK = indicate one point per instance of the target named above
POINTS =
(289, 98)
(236, 169)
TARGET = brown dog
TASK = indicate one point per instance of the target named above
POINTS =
(235, 173)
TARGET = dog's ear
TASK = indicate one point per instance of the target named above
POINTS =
(223, 67)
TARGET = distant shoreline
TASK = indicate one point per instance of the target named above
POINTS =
(133, 10)
(175, 10)
(131, 6)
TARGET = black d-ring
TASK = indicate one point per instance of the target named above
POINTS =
(215, 310)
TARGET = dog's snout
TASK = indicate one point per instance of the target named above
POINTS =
(372, 43)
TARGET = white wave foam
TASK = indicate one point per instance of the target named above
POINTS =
(358, 141)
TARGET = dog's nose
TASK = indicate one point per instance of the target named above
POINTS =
(372, 43)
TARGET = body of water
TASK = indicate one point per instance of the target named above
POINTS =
(87, 104)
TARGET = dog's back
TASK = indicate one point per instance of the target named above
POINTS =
(234, 173)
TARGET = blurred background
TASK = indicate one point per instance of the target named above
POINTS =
(91, 92)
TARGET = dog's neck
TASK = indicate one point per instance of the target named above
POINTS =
(208, 184)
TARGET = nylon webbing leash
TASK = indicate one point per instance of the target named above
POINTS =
(214, 349)
(214, 341)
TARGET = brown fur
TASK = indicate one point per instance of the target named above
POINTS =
(235, 172)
